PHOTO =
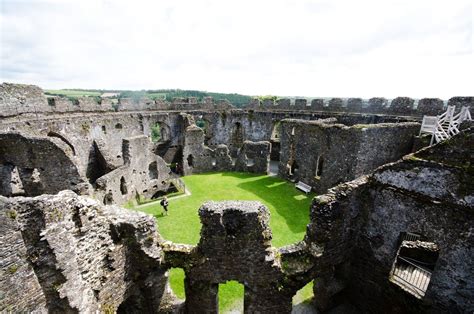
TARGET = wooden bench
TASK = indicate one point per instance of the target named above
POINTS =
(303, 187)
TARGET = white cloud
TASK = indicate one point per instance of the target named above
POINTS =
(314, 48)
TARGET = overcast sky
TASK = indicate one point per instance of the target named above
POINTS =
(417, 48)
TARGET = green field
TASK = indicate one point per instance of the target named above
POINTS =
(72, 92)
(289, 215)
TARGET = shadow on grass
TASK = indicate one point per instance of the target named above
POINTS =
(288, 202)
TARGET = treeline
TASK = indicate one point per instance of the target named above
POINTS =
(166, 94)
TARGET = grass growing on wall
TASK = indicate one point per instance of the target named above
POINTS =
(289, 215)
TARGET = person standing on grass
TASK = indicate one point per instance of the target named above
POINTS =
(164, 203)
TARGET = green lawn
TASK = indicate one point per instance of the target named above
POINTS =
(289, 215)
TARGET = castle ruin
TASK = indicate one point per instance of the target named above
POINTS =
(387, 201)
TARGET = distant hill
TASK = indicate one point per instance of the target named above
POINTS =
(167, 94)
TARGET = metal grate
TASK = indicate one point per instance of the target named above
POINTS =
(414, 277)
(408, 236)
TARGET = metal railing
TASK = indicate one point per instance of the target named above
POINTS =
(415, 276)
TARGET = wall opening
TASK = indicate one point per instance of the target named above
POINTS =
(96, 166)
(13, 185)
(190, 160)
(231, 297)
(108, 198)
(276, 131)
(176, 281)
(153, 171)
(292, 167)
(275, 140)
(250, 161)
(414, 264)
(237, 136)
(156, 132)
(104, 129)
(172, 188)
(302, 300)
(319, 167)
(62, 138)
(118, 126)
(160, 132)
(204, 125)
(123, 186)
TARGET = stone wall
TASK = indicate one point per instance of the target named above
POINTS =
(462, 101)
(143, 173)
(254, 157)
(430, 106)
(235, 244)
(74, 255)
(31, 166)
(323, 155)
(232, 128)
(18, 99)
(358, 227)
(223, 160)
(197, 157)
(83, 132)
(404, 106)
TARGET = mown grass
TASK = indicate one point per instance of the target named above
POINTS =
(289, 215)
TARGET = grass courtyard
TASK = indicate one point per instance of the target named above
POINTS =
(289, 215)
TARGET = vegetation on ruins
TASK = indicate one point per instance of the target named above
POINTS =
(289, 209)
(155, 133)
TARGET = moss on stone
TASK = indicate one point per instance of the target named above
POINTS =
(11, 214)
(85, 127)
(13, 269)
(107, 309)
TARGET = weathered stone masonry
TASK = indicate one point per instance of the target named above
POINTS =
(349, 248)
(69, 253)
(74, 255)
(358, 227)
(323, 154)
